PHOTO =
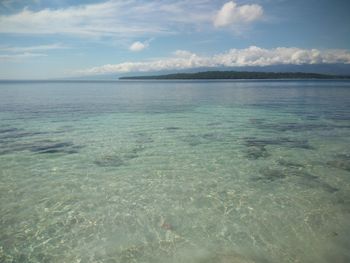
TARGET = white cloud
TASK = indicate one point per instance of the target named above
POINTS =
(102, 19)
(138, 46)
(183, 53)
(251, 56)
(16, 49)
(17, 53)
(113, 18)
(18, 57)
(232, 14)
(128, 18)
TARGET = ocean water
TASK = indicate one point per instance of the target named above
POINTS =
(175, 171)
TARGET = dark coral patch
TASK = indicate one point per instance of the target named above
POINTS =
(41, 147)
(7, 130)
(290, 164)
(286, 142)
(172, 128)
(256, 152)
(110, 161)
(341, 161)
(303, 178)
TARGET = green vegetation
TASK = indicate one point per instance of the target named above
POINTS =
(239, 75)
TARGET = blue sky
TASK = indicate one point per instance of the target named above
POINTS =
(68, 38)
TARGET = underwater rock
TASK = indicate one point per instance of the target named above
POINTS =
(57, 147)
(317, 183)
(338, 116)
(51, 148)
(276, 173)
(298, 126)
(9, 130)
(304, 178)
(7, 151)
(256, 152)
(172, 128)
(290, 164)
(193, 140)
(312, 117)
(16, 134)
(256, 121)
(196, 139)
(341, 161)
(143, 138)
(272, 174)
(286, 142)
(110, 161)
(116, 160)
(213, 136)
(130, 156)
(137, 149)
(214, 123)
(41, 147)
(301, 174)
(8, 148)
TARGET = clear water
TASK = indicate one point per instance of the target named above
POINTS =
(250, 171)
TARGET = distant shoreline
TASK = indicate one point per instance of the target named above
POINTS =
(239, 75)
(199, 76)
(39, 81)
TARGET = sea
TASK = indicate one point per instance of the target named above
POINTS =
(175, 171)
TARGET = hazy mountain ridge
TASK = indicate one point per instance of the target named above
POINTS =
(239, 75)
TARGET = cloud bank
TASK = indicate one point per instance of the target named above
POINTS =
(129, 18)
(17, 53)
(251, 56)
(118, 18)
(232, 14)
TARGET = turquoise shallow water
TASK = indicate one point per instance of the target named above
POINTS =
(245, 171)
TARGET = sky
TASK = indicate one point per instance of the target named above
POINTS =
(43, 39)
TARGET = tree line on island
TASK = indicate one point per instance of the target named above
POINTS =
(237, 75)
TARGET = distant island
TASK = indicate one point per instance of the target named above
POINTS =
(237, 75)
